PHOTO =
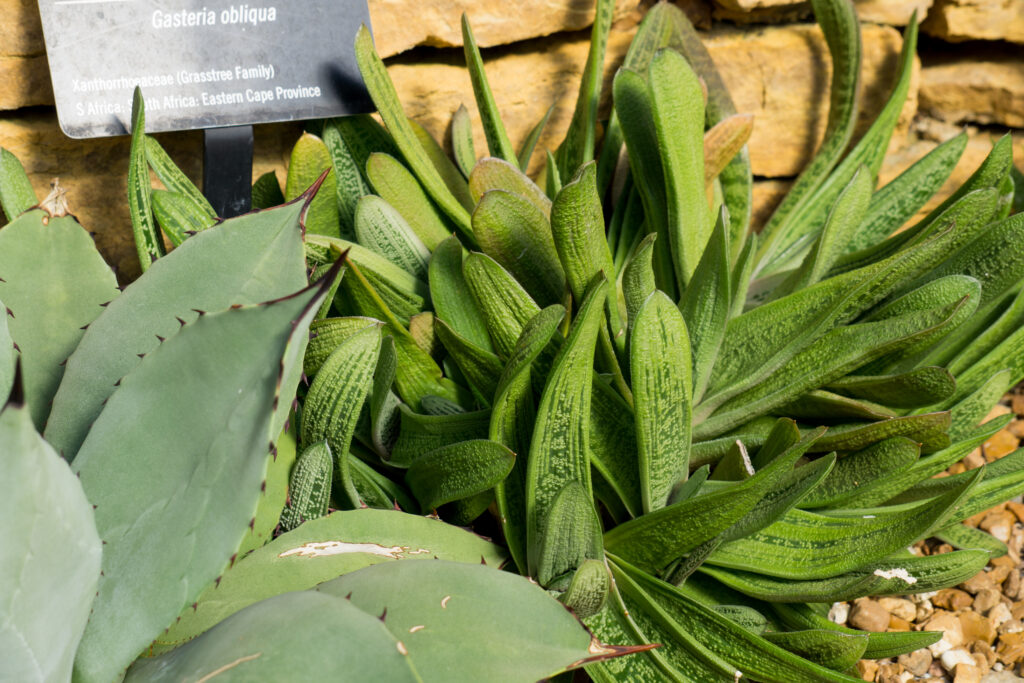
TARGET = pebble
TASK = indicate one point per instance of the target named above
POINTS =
(839, 613)
(999, 524)
(952, 599)
(976, 627)
(999, 614)
(951, 658)
(899, 607)
(1001, 444)
(1011, 648)
(967, 673)
(986, 599)
(917, 662)
(868, 615)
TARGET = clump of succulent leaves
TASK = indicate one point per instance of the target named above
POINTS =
(693, 435)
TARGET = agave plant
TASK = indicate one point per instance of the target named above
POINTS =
(694, 435)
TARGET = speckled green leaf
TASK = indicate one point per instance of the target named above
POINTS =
(515, 233)
(393, 181)
(678, 112)
(382, 90)
(458, 471)
(804, 545)
(559, 451)
(16, 193)
(659, 351)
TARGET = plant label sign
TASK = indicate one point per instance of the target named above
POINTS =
(202, 63)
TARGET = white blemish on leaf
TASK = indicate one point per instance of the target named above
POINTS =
(897, 573)
(868, 516)
(737, 675)
(444, 601)
(417, 628)
(219, 671)
(747, 465)
(401, 647)
(327, 548)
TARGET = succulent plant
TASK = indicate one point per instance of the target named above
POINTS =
(695, 436)
(716, 433)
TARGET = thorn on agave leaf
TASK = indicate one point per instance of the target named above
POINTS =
(383, 615)
(9, 311)
(182, 322)
(162, 339)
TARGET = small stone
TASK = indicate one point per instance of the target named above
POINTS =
(867, 668)
(974, 459)
(868, 615)
(984, 650)
(952, 599)
(897, 624)
(892, 673)
(1013, 506)
(1001, 568)
(957, 468)
(981, 661)
(977, 627)
(978, 582)
(839, 613)
(1017, 404)
(900, 607)
(916, 662)
(986, 599)
(924, 610)
(1017, 609)
(1017, 428)
(951, 658)
(999, 524)
(967, 673)
(952, 636)
(1011, 648)
(1011, 626)
(999, 614)
(1001, 444)
(1011, 586)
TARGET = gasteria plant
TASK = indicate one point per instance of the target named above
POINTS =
(693, 435)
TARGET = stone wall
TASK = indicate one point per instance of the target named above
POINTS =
(970, 73)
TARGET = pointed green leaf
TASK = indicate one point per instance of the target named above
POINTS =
(462, 141)
(382, 90)
(243, 260)
(50, 557)
(559, 447)
(706, 302)
(16, 193)
(678, 111)
(167, 537)
(54, 284)
(175, 180)
(323, 549)
(309, 160)
(396, 185)
(660, 370)
(494, 130)
(148, 243)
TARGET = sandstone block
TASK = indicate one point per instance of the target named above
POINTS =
(894, 12)
(957, 20)
(978, 86)
(400, 25)
(21, 33)
(781, 75)
(24, 81)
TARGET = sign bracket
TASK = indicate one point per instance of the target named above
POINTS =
(227, 169)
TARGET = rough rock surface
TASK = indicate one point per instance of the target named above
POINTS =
(958, 20)
(894, 12)
(985, 87)
(774, 72)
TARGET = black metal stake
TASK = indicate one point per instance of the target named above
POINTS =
(227, 169)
